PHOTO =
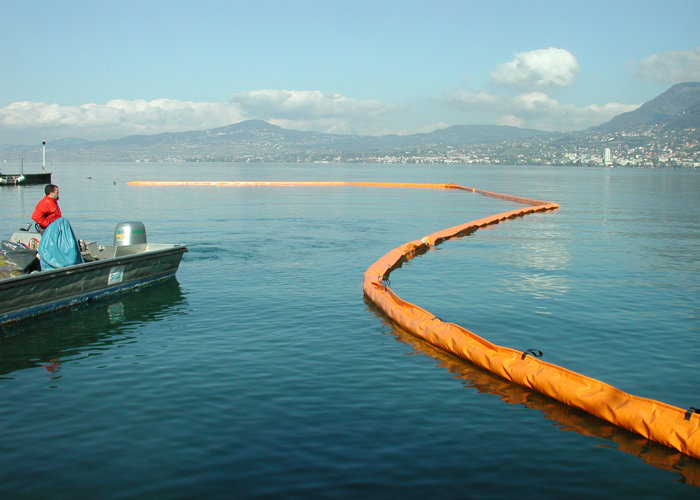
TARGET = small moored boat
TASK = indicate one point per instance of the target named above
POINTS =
(22, 179)
(130, 262)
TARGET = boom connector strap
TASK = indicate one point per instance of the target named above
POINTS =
(535, 352)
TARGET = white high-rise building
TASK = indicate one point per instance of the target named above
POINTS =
(607, 157)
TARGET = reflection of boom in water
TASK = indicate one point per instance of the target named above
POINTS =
(568, 418)
(100, 323)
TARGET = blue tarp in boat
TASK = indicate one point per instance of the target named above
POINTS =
(59, 246)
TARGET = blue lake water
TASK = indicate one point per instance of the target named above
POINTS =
(260, 371)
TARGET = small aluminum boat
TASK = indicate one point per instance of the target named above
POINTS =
(129, 263)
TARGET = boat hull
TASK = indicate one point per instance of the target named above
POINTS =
(34, 294)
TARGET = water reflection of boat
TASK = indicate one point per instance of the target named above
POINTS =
(131, 262)
(568, 418)
(34, 343)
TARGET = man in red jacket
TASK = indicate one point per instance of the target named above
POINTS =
(47, 211)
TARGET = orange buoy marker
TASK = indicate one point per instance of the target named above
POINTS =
(655, 420)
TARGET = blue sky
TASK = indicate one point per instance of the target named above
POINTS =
(100, 70)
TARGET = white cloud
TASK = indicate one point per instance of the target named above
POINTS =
(672, 67)
(535, 102)
(511, 120)
(301, 110)
(538, 69)
(312, 110)
(534, 110)
(116, 118)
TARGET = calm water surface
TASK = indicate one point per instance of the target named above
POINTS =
(261, 372)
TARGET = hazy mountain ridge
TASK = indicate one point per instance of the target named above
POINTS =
(254, 137)
(255, 140)
(677, 108)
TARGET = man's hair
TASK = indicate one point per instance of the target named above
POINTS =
(49, 189)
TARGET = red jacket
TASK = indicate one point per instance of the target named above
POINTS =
(46, 211)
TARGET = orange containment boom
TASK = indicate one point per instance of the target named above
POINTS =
(655, 420)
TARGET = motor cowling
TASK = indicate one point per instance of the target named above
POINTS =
(129, 233)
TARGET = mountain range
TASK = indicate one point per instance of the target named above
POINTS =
(677, 109)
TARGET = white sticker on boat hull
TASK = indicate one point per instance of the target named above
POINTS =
(116, 275)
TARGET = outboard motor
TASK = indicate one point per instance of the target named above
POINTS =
(129, 233)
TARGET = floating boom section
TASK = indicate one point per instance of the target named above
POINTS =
(666, 424)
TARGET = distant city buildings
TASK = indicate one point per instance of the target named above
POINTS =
(622, 149)
(652, 147)
(612, 149)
